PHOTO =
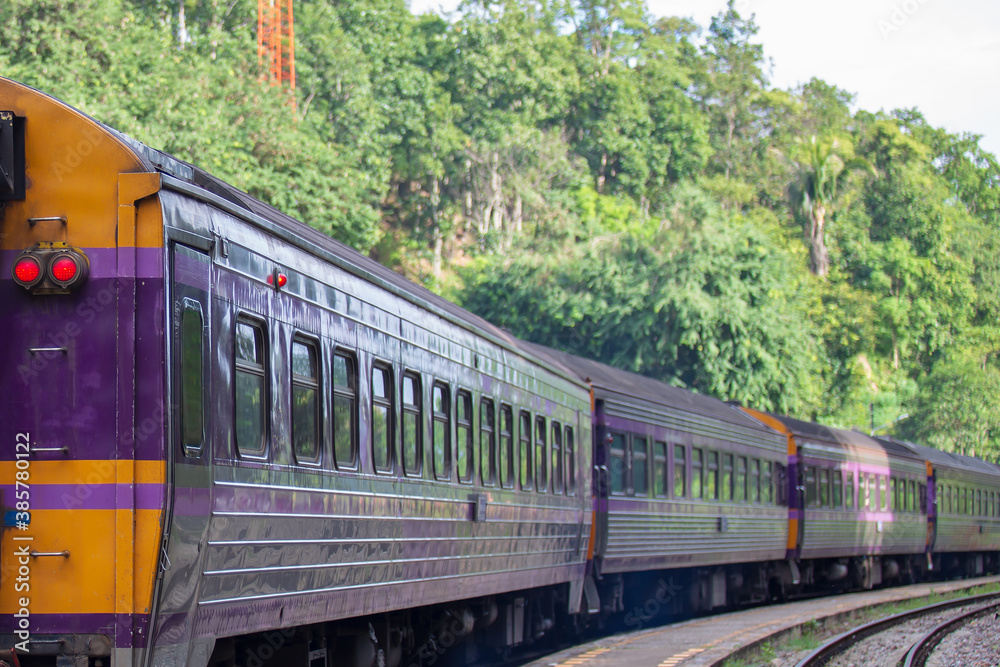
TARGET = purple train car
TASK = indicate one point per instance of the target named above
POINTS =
(235, 441)
(964, 526)
(690, 506)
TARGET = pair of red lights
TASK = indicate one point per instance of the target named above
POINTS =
(51, 268)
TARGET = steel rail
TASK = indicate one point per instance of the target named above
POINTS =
(920, 651)
(844, 641)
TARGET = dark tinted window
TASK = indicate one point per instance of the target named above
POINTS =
(487, 442)
(640, 474)
(413, 450)
(524, 449)
(570, 455)
(541, 465)
(465, 455)
(251, 399)
(383, 440)
(442, 431)
(345, 410)
(192, 378)
(616, 464)
(661, 476)
(712, 476)
(740, 492)
(727, 477)
(680, 471)
(305, 401)
(506, 446)
(557, 462)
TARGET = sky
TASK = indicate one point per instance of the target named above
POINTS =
(940, 56)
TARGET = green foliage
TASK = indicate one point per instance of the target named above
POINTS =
(599, 179)
(707, 302)
(956, 408)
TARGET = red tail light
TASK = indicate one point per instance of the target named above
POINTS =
(27, 270)
(51, 268)
(64, 268)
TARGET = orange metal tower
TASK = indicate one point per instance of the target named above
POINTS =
(276, 40)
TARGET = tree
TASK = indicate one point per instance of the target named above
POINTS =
(732, 83)
(709, 301)
(956, 409)
(819, 174)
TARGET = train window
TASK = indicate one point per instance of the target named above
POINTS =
(824, 487)
(541, 465)
(754, 489)
(922, 490)
(781, 485)
(661, 473)
(849, 489)
(766, 483)
(616, 462)
(345, 410)
(557, 462)
(883, 495)
(524, 450)
(911, 496)
(727, 477)
(382, 427)
(979, 502)
(812, 498)
(870, 499)
(413, 419)
(680, 471)
(251, 388)
(506, 446)
(712, 476)
(487, 442)
(640, 474)
(306, 427)
(192, 378)
(838, 489)
(465, 453)
(570, 454)
(441, 416)
(697, 471)
(741, 495)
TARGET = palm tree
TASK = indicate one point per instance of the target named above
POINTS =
(813, 193)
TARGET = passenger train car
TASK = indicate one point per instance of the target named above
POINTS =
(225, 423)
(235, 441)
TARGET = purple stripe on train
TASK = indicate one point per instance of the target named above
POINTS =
(87, 496)
(127, 630)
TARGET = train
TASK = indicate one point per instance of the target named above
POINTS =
(238, 442)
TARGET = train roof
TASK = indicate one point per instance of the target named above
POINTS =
(602, 376)
(938, 457)
(818, 432)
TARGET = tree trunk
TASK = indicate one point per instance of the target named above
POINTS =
(819, 258)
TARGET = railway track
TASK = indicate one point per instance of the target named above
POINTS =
(918, 631)
(752, 636)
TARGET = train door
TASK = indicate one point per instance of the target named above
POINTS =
(601, 483)
(189, 451)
